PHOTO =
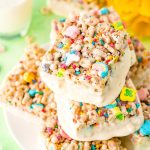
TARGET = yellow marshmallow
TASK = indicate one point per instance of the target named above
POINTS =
(66, 46)
(28, 76)
(116, 111)
(61, 72)
(128, 94)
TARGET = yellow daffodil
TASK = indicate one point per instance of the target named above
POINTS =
(140, 25)
(135, 13)
(144, 9)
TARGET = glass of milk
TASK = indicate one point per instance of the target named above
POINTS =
(15, 17)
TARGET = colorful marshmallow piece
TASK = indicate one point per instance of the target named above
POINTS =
(72, 32)
(77, 72)
(102, 42)
(110, 106)
(145, 129)
(37, 105)
(33, 92)
(128, 94)
(66, 46)
(60, 45)
(137, 105)
(93, 43)
(116, 110)
(104, 11)
(49, 130)
(115, 59)
(60, 72)
(81, 104)
(120, 116)
(28, 77)
(102, 69)
(93, 147)
(118, 25)
(70, 58)
(62, 20)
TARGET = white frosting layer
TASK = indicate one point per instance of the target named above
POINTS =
(100, 132)
(82, 93)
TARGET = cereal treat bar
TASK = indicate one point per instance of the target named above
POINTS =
(140, 71)
(57, 139)
(88, 122)
(23, 87)
(88, 58)
(65, 7)
(140, 140)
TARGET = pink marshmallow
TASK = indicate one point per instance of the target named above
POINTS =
(72, 32)
(143, 93)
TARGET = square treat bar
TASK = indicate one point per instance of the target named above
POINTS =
(23, 87)
(57, 139)
(15, 91)
(88, 122)
(140, 140)
(65, 7)
(88, 58)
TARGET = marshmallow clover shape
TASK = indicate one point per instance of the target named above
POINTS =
(88, 122)
(88, 57)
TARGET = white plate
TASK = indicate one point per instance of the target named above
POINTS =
(25, 129)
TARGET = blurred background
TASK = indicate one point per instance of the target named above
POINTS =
(135, 14)
(33, 24)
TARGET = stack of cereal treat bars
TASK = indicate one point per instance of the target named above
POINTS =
(87, 69)
(82, 86)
